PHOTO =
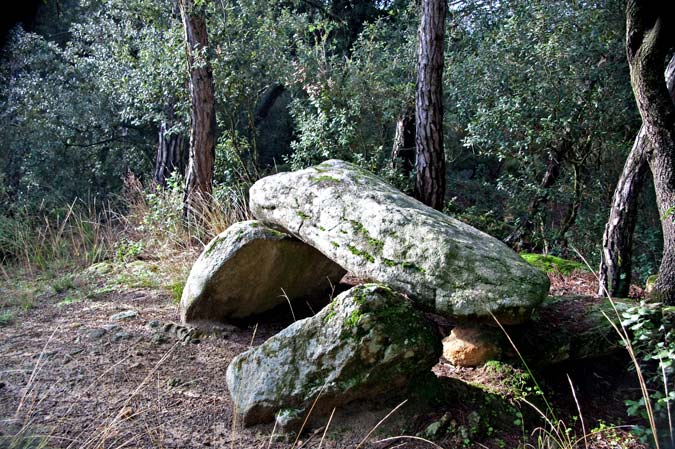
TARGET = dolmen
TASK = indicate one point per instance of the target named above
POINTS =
(314, 225)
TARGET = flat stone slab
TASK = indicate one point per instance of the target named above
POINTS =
(249, 269)
(380, 234)
(368, 342)
(568, 329)
(127, 314)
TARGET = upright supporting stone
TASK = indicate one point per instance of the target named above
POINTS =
(249, 269)
(368, 342)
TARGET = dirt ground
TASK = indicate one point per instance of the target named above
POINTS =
(73, 376)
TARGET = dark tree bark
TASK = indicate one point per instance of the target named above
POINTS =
(617, 241)
(169, 155)
(430, 182)
(573, 208)
(650, 35)
(615, 274)
(269, 97)
(403, 150)
(518, 239)
(199, 175)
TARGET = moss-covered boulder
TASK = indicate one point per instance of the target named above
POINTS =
(249, 269)
(367, 343)
(378, 233)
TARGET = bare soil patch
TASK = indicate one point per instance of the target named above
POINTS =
(73, 378)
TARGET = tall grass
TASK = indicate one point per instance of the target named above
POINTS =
(79, 234)
(84, 232)
(157, 214)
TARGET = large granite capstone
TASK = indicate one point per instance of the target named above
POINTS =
(368, 342)
(380, 234)
(248, 269)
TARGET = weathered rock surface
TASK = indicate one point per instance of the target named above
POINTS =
(367, 342)
(471, 345)
(379, 233)
(243, 270)
(568, 328)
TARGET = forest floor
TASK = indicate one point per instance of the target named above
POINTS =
(74, 375)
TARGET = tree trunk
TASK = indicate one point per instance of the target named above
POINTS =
(615, 264)
(169, 155)
(268, 99)
(518, 238)
(202, 112)
(573, 208)
(650, 35)
(403, 150)
(430, 182)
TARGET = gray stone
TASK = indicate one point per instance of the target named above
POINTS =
(289, 420)
(367, 343)
(379, 233)
(159, 339)
(127, 314)
(153, 324)
(97, 333)
(249, 269)
(119, 336)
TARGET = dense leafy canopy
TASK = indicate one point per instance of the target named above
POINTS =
(530, 87)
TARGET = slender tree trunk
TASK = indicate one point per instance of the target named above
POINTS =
(615, 266)
(403, 150)
(202, 111)
(518, 238)
(430, 182)
(573, 208)
(169, 155)
(650, 35)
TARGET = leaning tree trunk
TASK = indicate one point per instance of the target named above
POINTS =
(202, 111)
(650, 35)
(169, 155)
(430, 182)
(615, 265)
(403, 150)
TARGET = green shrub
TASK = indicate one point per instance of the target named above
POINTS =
(653, 341)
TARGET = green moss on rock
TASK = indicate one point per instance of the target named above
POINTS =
(552, 264)
(369, 341)
(358, 252)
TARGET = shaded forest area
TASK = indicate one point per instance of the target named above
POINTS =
(132, 130)
(539, 115)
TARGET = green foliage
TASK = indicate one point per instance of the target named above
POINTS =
(127, 250)
(653, 341)
(348, 106)
(63, 284)
(6, 317)
(553, 264)
(163, 208)
(60, 140)
(531, 83)
(176, 289)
